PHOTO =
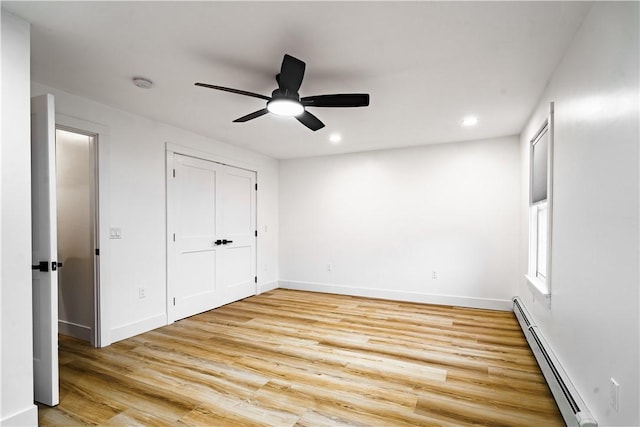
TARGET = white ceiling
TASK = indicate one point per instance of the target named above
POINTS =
(425, 64)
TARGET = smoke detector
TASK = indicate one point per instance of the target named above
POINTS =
(142, 83)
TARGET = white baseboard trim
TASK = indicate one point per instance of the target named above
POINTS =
(27, 417)
(390, 294)
(269, 286)
(129, 330)
(75, 330)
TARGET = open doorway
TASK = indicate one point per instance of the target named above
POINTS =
(77, 225)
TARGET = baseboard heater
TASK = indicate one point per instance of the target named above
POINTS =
(573, 409)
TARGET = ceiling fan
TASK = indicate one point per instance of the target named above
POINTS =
(286, 101)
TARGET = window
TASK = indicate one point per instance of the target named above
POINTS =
(541, 213)
(540, 209)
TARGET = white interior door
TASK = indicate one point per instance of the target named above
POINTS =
(212, 260)
(44, 250)
(196, 229)
(238, 228)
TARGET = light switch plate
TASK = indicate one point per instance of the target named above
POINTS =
(115, 233)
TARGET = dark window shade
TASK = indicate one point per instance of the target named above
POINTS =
(539, 168)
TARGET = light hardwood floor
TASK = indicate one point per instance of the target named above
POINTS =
(291, 358)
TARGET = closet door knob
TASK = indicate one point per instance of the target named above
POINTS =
(225, 241)
(42, 266)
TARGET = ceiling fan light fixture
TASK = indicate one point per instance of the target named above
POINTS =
(285, 107)
(285, 100)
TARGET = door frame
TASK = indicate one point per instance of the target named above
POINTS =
(100, 133)
(170, 150)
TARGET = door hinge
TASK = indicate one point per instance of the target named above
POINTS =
(174, 173)
(174, 237)
(255, 279)
(256, 186)
(97, 251)
(256, 233)
(174, 301)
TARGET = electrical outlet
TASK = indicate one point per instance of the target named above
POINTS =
(142, 293)
(434, 275)
(614, 394)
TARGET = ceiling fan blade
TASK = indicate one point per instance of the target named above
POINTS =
(251, 116)
(337, 100)
(291, 74)
(310, 121)
(237, 91)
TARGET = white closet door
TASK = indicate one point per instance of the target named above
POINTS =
(214, 211)
(196, 227)
(238, 213)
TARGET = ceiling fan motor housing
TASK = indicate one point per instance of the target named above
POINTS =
(285, 94)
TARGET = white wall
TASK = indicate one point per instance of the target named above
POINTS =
(593, 323)
(137, 205)
(16, 366)
(75, 234)
(386, 220)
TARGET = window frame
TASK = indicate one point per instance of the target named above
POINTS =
(541, 285)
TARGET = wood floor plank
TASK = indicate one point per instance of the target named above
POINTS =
(292, 358)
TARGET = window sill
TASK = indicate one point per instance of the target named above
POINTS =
(539, 289)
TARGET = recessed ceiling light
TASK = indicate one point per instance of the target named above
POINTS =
(470, 121)
(335, 138)
(142, 83)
